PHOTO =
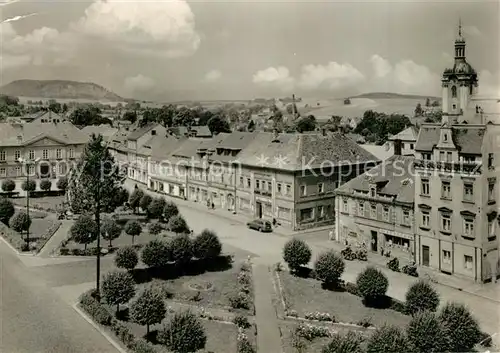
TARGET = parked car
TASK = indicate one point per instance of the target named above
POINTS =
(261, 225)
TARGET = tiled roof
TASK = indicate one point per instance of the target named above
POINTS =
(408, 134)
(468, 139)
(381, 152)
(395, 177)
(163, 148)
(105, 130)
(139, 131)
(64, 131)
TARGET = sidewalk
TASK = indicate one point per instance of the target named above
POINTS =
(56, 239)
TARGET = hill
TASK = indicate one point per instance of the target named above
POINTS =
(389, 95)
(59, 89)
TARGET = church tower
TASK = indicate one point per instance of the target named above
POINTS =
(459, 83)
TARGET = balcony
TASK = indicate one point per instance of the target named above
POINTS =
(452, 167)
(263, 192)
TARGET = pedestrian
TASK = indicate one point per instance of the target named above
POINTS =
(208, 204)
(330, 234)
(213, 206)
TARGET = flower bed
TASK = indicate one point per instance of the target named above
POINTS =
(41, 230)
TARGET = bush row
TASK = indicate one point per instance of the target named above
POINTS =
(242, 299)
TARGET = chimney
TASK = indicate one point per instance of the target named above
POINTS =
(397, 147)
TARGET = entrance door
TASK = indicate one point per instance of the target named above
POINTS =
(259, 209)
(374, 241)
(425, 255)
(44, 171)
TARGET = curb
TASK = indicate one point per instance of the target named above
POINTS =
(99, 329)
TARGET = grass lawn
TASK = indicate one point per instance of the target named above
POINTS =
(40, 232)
(306, 295)
(49, 203)
(123, 240)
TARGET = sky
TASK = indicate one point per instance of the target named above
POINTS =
(176, 49)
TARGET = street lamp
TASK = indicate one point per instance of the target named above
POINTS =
(28, 163)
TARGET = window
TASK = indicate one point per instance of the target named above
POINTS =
(321, 188)
(62, 169)
(303, 190)
(3, 171)
(71, 153)
(446, 222)
(426, 219)
(448, 157)
(278, 187)
(306, 214)
(446, 137)
(257, 184)
(321, 211)
(446, 256)
(45, 154)
(406, 217)
(264, 185)
(17, 155)
(249, 183)
(288, 189)
(386, 214)
(373, 211)
(411, 146)
(441, 155)
(445, 190)
(468, 262)
(425, 187)
(454, 91)
(31, 170)
(491, 228)
(58, 153)
(490, 160)
(345, 206)
(491, 191)
(241, 181)
(454, 106)
(468, 226)
(403, 145)
(361, 209)
(426, 156)
(468, 192)
(18, 171)
(2, 156)
(31, 154)
(373, 192)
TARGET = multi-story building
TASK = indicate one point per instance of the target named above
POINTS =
(376, 209)
(408, 138)
(53, 144)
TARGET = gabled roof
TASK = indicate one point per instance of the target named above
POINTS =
(105, 130)
(467, 138)
(408, 134)
(383, 152)
(163, 148)
(140, 131)
(395, 177)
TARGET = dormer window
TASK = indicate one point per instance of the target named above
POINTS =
(373, 191)
(445, 137)
(153, 132)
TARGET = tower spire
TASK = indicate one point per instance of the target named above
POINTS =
(460, 27)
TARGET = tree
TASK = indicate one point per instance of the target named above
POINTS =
(130, 115)
(155, 228)
(217, 125)
(177, 224)
(149, 309)
(251, 126)
(7, 210)
(421, 296)
(182, 249)
(348, 343)
(8, 185)
(428, 102)
(29, 185)
(64, 108)
(291, 108)
(183, 333)
(55, 107)
(89, 115)
(207, 245)
(62, 183)
(119, 198)
(95, 185)
(155, 208)
(118, 287)
(169, 211)
(425, 333)
(110, 230)
(20, 222)
(372, 284)
(156, 253)
(145, 202)
(418, 110)
(133, 228)
(296, 253)
(184, 117)
(135, 199)
(127, 258)
(329, 267)
(45, 184)
(84, 230)
(388, 339)
(435, 103)
(460, 328)
(306, 124)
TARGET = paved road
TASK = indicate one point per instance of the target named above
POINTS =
(33, 319)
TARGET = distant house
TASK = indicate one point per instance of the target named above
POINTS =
(408, 139)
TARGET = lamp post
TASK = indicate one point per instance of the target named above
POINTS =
(28, 163)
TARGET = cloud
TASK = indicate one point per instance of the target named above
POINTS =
(213, 75)
(274, 77)
(331, 76)
(20, 17)
(139, 83)
(8, 2)
(380, 65)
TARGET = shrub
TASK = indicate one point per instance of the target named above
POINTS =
(460, 328)
(29, 185)
(118, 288)
(207, 245)
(133, 228)
(182, 249)
(110, 230)
(365, 322)
(142, 346)
(348, 254)
(388, 339)
(296, 253)
(310, 332)
(155, 228)
(177, 224)
(318, 316)
(421, 296)
(95, 309)
(148, 309)
(243, 345)
(241, 321)
(45, 184)
(126, 258)
(145, 201)
(425, 333)
(393, 264)
(329, 267)
(7, 210)
(372, 285)
(135, 199)
(8, 185)
(183, 333)
(349, 343)
(62, 183)
(362, 255)
(156, 253)
(170, 210)
(239, 300)
(20, 222)
(155, 208)
(84, 230)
